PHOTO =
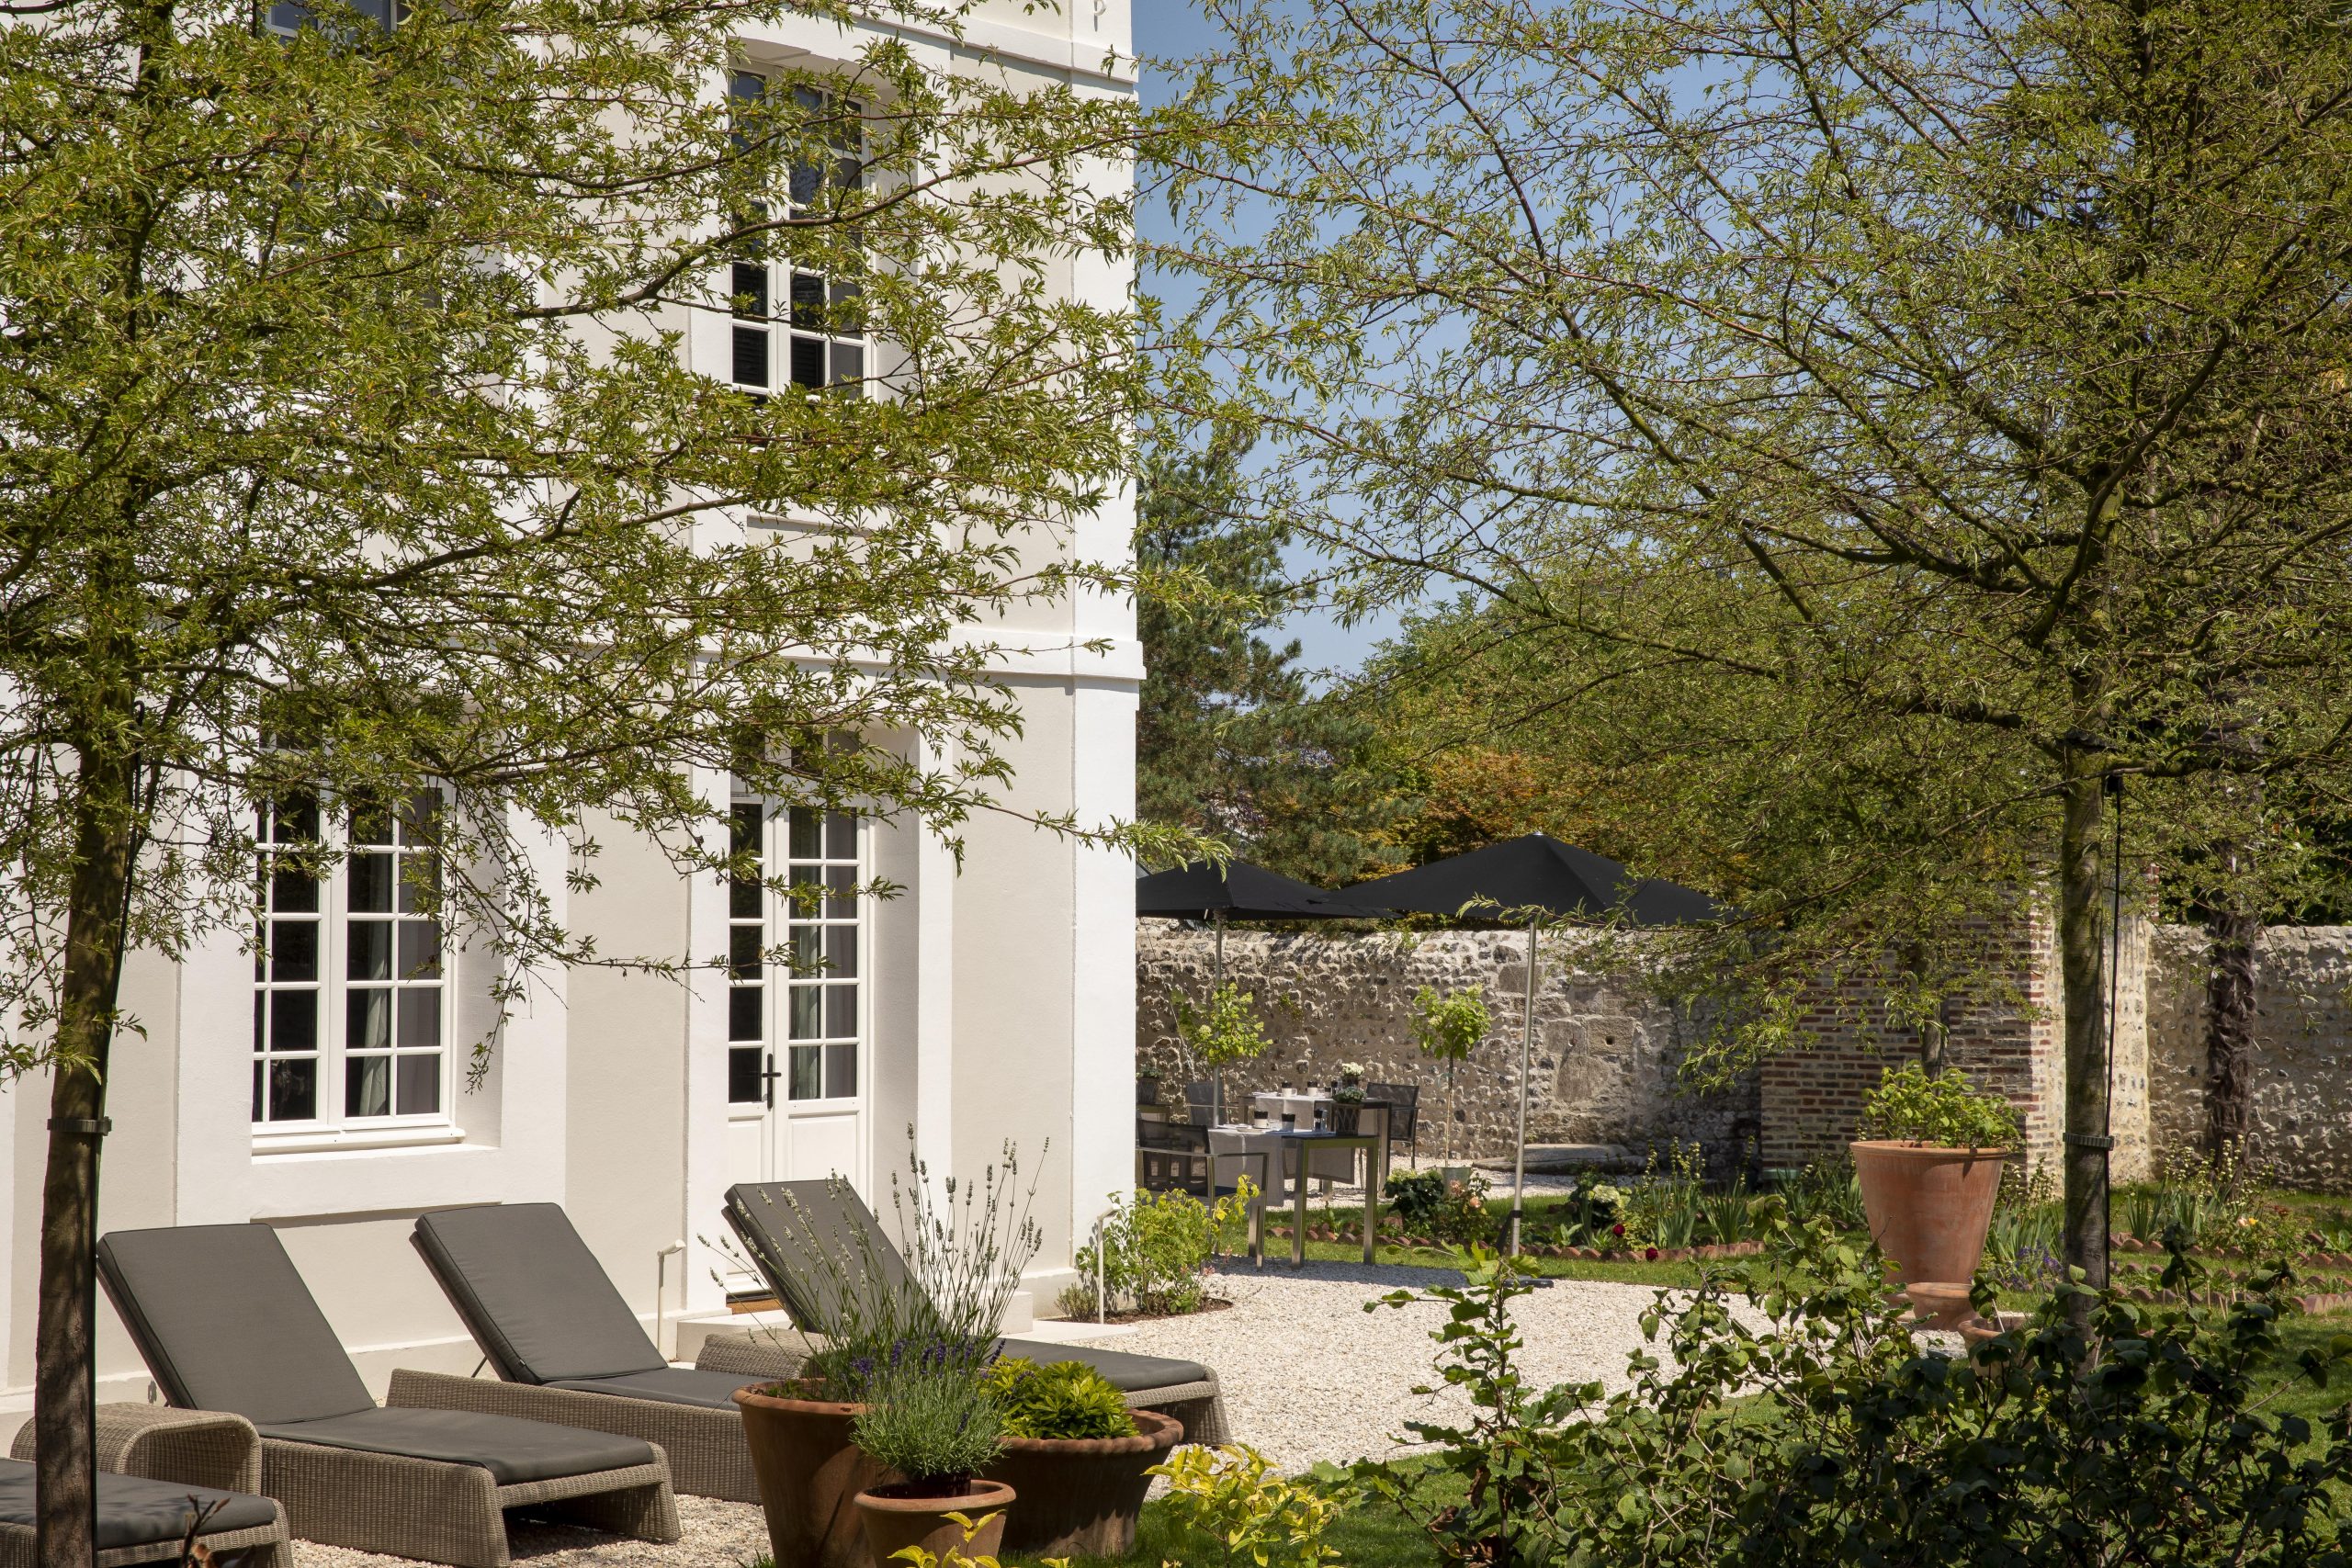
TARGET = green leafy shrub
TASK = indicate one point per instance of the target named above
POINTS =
(932, 1419)
(2208, 1202)
(1447, 1026)
(1592, 1215)
(1225, 1499)
(1827, 1192)
(2023, 1250)
(1154, 1253)
(1946, 1110)
(1451, 1210)
(1788, 1418)
(1668, 1208)
(1063, 1399)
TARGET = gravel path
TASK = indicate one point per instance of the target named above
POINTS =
(1308, 1376)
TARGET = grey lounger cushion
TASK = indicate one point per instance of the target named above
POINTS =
(134, 1511)
(535, 1298)
(781, 1223)
(226, 1323)
(670, 1386)
(785, 1225)
(1123, 1370)
(513, 1452)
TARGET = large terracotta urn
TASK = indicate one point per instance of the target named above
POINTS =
(1080, 1496)
(1929, 1208)
(810, 1473)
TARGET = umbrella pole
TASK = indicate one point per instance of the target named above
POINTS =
(1216, 1077)
(1526, 1055)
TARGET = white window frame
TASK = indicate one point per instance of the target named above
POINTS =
(767, 312)
(334, 1127)
(779, 979)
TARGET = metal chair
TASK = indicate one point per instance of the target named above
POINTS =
(1199, 1097)
(1173, 1157)
(1404, 1102)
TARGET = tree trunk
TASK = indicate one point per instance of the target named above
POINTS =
(2082, 958)
(65, 1370)
(2229, 1022)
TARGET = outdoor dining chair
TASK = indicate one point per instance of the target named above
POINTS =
(1404, 1102)
(567, 1350)
(161, 1476)
(788, 1228)
(225, 1324)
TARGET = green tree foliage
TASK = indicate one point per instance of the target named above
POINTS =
(351, 443)
(1899, 423)
(1229, 740)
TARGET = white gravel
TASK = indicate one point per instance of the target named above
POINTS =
(1308, 1376)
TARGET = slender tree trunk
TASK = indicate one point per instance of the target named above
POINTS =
(1931, 1030)
(65, 1370)
(2082, 960)
(2234, 931)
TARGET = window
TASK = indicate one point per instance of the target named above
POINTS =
(796, 1020)
(793, 325)
(349, 989)
(290, 16)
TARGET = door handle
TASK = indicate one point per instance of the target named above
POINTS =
(768, 1084)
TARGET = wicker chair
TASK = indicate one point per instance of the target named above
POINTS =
(787, 1227)
(225, 1324)
(567, 1350)
(160, 1471)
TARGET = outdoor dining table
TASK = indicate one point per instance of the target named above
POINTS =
(1289, 1145)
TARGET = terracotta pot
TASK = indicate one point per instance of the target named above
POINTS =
(1929, 1207)
(893, 1524)
(1079, 1496)
(810, 1474)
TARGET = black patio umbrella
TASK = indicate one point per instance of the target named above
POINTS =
(1202, 890)
(1536, 878)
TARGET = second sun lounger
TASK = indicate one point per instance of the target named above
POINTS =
(783, 1224)
(225, 1323)
(569, 1349)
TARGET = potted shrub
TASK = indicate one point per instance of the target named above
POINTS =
(932, 1425)
(1929, 1165)
(1347, 1098)
(1077, 1457)
(963, 1262)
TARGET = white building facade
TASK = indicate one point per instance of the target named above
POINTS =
(330, 1092)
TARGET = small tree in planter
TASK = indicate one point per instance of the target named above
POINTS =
(1929, 1162)
(1447, 1025)
(1220, 1031)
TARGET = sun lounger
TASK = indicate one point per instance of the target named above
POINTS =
(568, 1348)
(783, 1224)
(226, 1323)
(160, 1471)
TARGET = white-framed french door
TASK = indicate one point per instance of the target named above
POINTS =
(800, 995)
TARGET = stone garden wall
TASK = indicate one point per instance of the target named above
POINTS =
(2302, 1072)
(1605, 1059)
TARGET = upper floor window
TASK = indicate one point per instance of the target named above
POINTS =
(797, 1020)
(291, 16)
(797, 325)
(350, 991)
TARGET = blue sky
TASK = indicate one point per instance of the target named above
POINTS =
(1174, 28)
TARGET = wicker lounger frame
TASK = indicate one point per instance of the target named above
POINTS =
(708, 1454)
(194, 1447)
(1200, 1406)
